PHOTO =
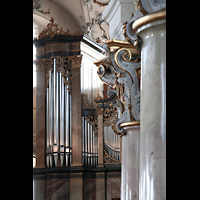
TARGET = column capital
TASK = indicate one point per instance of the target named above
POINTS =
(75, 61)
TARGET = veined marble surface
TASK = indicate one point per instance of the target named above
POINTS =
(130, 164)
(153, 111)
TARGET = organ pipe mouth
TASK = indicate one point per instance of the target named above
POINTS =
(133, 123)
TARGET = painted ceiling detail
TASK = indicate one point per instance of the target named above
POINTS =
(87, 13)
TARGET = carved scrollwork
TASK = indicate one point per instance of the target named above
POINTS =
(124, 73)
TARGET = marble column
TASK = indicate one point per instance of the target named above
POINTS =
(100, 137)
(40, 117)
(152, 31)
(76, 110)
(130, 161)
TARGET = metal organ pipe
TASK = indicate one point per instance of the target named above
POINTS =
(58, 123)
(90, 145)
(111, 143)
(61, 119)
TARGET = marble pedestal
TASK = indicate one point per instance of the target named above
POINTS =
(152, 31)
(130, 163)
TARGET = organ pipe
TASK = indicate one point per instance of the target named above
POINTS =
(90, 145)
(58, 123)
(111, 143)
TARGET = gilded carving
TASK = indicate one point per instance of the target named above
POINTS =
(100, 111)
(40, 65)
(85, 104)
(98, 97)
(53, 29)
(75, 61)
(122, 69)
(92, 120)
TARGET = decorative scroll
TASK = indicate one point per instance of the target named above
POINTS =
(121, 71)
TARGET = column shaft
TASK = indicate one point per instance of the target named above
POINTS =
(130, 163)
(153, 111)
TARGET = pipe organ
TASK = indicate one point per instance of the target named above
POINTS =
(71, 138)
(58, 59)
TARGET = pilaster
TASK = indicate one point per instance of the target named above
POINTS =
(76, 110)
(100, 136)
(40, 117)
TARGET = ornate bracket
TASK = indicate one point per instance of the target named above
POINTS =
(121, 71)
